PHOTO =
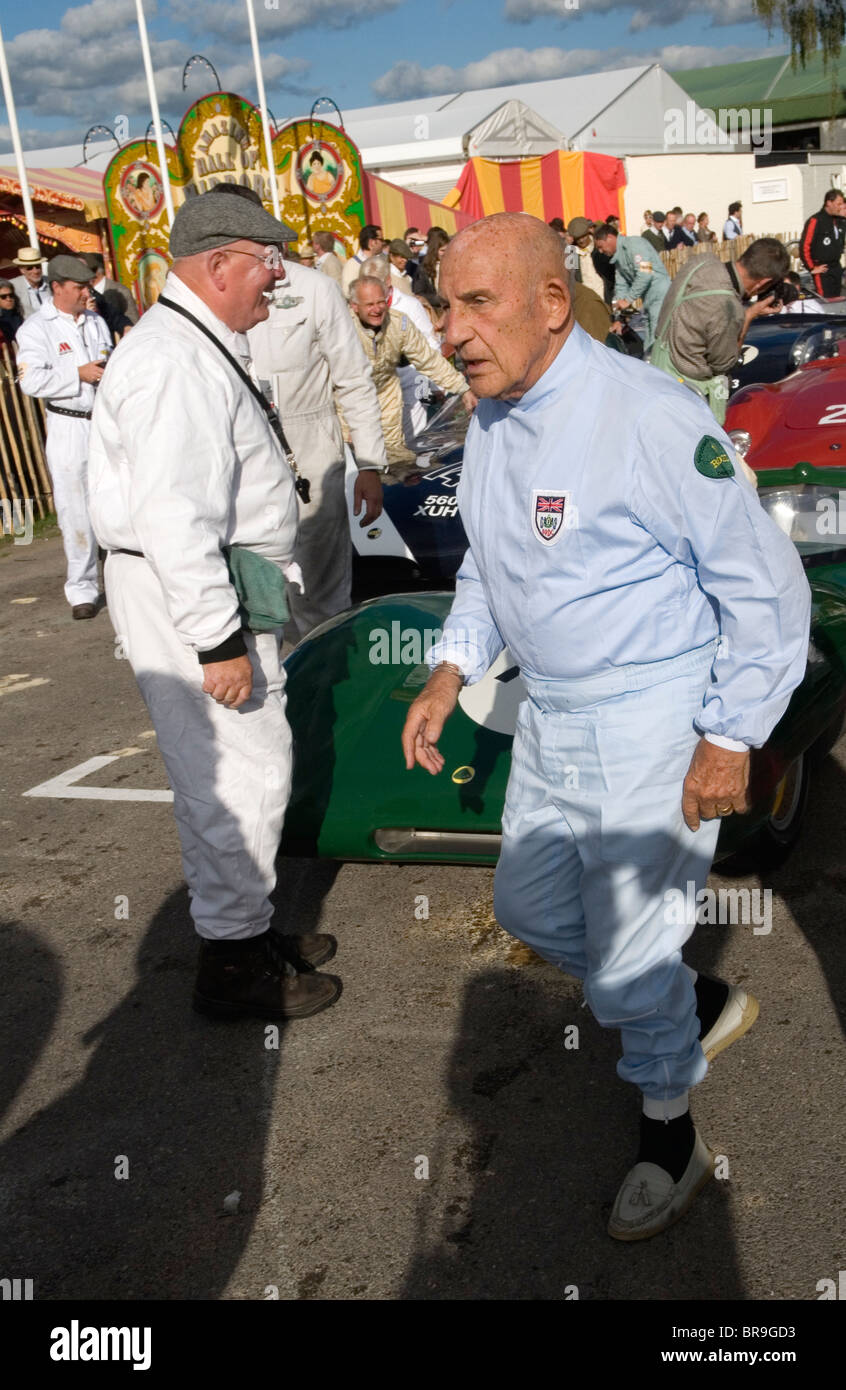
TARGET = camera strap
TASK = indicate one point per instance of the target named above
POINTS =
(302, 485)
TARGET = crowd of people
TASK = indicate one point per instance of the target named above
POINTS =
(370, 329)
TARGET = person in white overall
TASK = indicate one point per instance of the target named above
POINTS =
(62, 352)
(660, 622)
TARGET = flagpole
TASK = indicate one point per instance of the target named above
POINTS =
(154, 108)
(16, 145)
(265, 124)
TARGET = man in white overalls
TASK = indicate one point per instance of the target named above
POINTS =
(62, 352)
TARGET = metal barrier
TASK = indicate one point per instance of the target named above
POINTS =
(23, 468)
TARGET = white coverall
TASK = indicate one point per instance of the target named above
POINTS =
(183, 462)
(51, 347)
(414, 384)
(307, 350)
(647, 598)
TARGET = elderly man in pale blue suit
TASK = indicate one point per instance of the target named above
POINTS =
(660, 622)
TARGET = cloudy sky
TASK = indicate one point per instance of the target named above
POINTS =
(82, 65)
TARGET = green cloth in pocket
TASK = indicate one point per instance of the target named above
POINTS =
(261, 589)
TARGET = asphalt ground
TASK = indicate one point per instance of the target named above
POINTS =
(433, 1136)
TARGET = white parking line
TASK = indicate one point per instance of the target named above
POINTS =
(64, 786)
(10, 685)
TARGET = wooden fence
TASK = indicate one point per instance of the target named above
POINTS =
(727, 250)
(23, 467)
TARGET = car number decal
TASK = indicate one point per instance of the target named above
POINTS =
(834, 415)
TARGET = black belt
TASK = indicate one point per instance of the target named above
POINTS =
(139, 554)
(76, 414)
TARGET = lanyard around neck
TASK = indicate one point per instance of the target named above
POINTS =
(301, 484)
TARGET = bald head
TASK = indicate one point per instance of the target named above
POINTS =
(507, 283)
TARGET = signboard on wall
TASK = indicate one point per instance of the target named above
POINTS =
(317, 171)
(770, 190)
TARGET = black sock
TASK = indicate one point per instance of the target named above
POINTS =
(231, 946)
(667, 1143)
(711, 996)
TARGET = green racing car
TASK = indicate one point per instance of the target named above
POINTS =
(351, 681)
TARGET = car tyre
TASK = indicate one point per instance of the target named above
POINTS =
(772, 842)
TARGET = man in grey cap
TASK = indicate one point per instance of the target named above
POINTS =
(192, 494)
(581, 230)
(399, 254)
(62, 350)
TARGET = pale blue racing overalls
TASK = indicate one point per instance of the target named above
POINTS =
(648, 599)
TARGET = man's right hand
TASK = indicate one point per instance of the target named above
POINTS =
(768, 305)
(230, 683)
(91, 372)
(426, 720)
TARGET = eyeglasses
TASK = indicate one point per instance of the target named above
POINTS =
(272, 258)
(6, 294)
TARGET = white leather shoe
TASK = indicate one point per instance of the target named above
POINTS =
(649, 1201)
(739, 1013)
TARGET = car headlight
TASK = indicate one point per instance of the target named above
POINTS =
(742, 441)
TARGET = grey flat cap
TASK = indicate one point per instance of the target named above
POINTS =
(210, 220)
(69, 268)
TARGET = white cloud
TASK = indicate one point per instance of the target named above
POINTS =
(648, 13)
(89, 69)
(227, 19)
(100, 17)
(32, 138)
(405, 81)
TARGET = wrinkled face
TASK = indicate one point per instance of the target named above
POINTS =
(371, 304)
(248, 278)
(690, 221)
(607, 245)
(71, 297)
(32, 273)
(500, 313)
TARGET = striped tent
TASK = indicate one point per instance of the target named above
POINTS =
(80, 189)
(565, 183)
(393, 209)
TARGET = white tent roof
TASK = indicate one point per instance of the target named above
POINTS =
(512, 131)
(619, 113)
(568, 103)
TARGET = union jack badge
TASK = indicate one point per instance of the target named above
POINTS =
(550, 514)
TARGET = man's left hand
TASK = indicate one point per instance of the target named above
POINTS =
(717, 783)
(368, 493)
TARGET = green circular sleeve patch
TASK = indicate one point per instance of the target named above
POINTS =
(712, 460)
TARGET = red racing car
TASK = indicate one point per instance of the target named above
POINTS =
(800, 421)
